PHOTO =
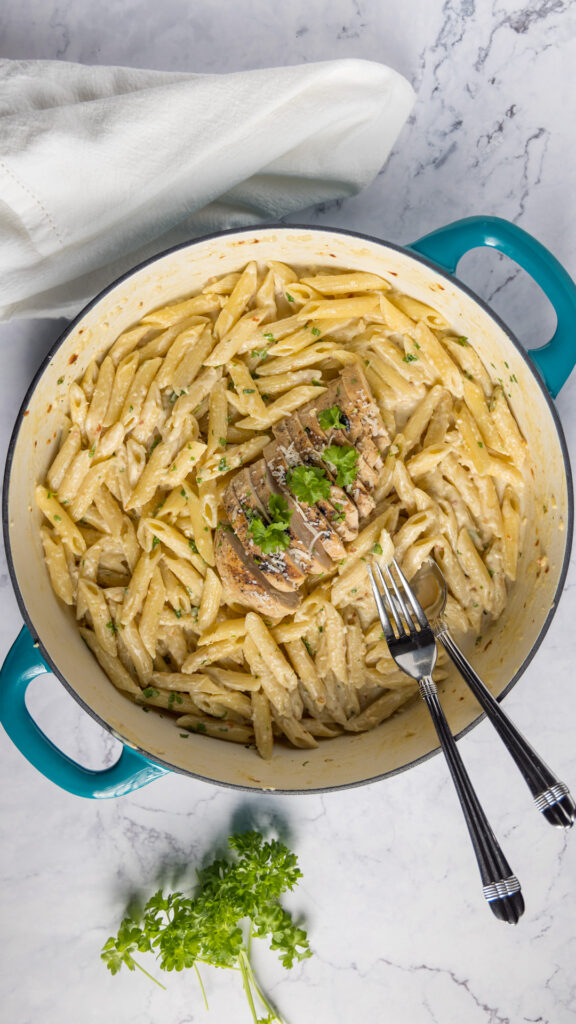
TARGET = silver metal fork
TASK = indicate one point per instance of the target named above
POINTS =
(413, 648)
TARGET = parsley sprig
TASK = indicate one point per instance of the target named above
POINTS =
(332, 418)
(237, 900)
(308, 483)
(344, 458)
(272, 536)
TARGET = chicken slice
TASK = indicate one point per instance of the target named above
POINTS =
(296, 450)
(244, 582)
(306, 435)
(295, 557)
(243, 501)
(308, 522)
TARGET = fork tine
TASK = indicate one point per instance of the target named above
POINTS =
(417, 607)
(387, 597)
(410, 627)
(384, 619)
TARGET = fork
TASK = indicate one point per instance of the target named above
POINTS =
(413, 648)
(551, 796)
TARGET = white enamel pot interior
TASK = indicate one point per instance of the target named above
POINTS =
(408, 736)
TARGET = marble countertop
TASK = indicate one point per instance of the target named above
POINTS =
(390, 890)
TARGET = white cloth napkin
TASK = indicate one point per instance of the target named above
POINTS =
(101, 167)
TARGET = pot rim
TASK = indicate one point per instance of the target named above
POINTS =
(315, 228)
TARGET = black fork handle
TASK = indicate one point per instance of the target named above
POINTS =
(551, 796)
(500, 886)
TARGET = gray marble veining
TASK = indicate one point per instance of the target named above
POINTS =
(396, 921)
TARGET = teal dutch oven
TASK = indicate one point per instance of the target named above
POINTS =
(153, 745)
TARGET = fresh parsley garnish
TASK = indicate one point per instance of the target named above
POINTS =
(344, 458)
(222, 465)
(236, 900)
(192, 545)
(308, 483)
(260, 353)
(272, 536)
(462, 341)
(409, 358)
(112, 626)
(332, 419)
(376, 549)
(316, 331)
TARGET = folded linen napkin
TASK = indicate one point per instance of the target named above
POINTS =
(102, 167)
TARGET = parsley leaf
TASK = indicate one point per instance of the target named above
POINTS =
(332, 418)
(308, 483)
(272, 536)
(236, 900)
(344, 458)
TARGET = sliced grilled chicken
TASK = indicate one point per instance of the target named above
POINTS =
(244, 498)
(297, 450)
(360, 408)
(240, 504)
(244, 581)
(295, 559)
(344, 517)
(307, 418)
(308, 522)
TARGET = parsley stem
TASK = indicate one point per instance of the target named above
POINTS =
(148, 975)
(202, 989)
(244, 967)
(247, 972)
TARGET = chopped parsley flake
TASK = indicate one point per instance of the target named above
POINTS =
(289, 297)
(376, 549)
(192, 545)
(316, 331)
(155, 541)
(112, 626)
(222, 465)
(462, 341)
(409, 358)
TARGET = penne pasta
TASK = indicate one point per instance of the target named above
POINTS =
(203, 431)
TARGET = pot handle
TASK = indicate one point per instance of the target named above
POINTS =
(24, 663)
(555, 360)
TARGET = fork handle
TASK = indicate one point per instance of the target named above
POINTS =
(500, 886)
(551, 796)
